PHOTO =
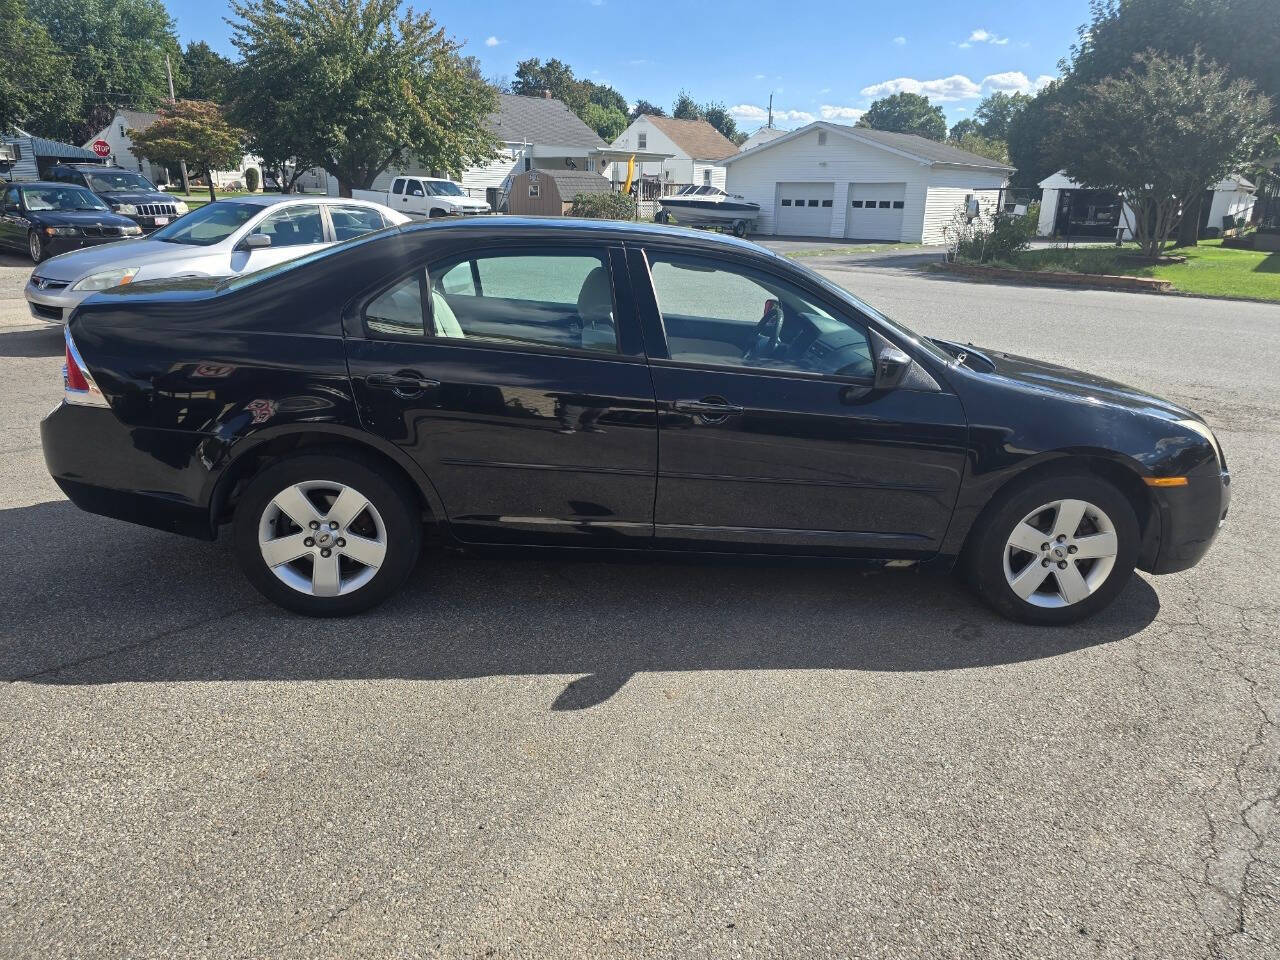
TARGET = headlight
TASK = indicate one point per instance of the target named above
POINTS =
(128, 209)
(107, 279)
(181, 206)
(1195, 426)
(132, 230)
(61, 231)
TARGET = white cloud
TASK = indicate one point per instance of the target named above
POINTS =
(751, 113)
(825, 90)
(956, 87)
(985, 36)
(491, 41)
(1014, 81)
(759, 76)
(900, 41)
(844, 114)
(637, 63)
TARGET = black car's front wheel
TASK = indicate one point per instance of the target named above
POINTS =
(35, 246)
(325, 535)
(1055, 550)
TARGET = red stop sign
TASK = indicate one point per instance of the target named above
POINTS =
(101, 148)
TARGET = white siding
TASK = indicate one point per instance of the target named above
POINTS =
(1229, 203)
(717, 174)
(947, 191)
(841, 161)
(679, 168)
(116, 134)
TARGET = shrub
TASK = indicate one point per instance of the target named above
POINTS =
(991, 238)
(604, 206)
(251, 179)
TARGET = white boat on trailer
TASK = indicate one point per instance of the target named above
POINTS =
(706, 206)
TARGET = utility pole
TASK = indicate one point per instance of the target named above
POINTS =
(770, 123)
(182, 164)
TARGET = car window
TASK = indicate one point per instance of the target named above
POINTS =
(721, 314)
(352, 221)
(120, 181)
(414, 189)
(207, 225)
(11, 198)
(398, 187)
(294, 226)
(61, 198)
(557, 300)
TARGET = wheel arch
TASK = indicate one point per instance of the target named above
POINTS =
(1122, 472)
(253, 454)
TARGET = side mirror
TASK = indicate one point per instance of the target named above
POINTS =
(255, 241)
(891, 366)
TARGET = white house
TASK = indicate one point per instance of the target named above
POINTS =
(116, 135)
(1069, 209)
(539, 133)
(695, 151)
(831, 180)
(763, 135)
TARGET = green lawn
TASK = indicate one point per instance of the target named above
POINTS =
(1211, 269)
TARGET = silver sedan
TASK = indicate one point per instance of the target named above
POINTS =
(222, 239)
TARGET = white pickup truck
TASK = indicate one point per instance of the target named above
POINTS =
(425, 197)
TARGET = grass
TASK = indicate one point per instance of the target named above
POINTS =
(1211, 269)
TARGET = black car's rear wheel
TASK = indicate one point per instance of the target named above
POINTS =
(1055, 550)
(35, 246)
(326, 536)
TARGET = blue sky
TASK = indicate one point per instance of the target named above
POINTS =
(821, 60)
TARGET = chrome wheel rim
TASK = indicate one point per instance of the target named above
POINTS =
(322, 538)
(1060, 553)
(33, 244)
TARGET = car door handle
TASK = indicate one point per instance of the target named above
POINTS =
(711, 407)
(405, 384)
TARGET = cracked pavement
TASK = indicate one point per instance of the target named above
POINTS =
(525, 757)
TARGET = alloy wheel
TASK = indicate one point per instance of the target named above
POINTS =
(1060, 553)
(322, 538)
(35, 247)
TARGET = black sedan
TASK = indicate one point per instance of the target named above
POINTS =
(575, 384)
(44, 219)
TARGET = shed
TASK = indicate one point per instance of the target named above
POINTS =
(832, 180)
(550, 193)
(30, 157)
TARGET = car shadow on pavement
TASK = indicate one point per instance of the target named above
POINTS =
(40, 342)
(108, 602)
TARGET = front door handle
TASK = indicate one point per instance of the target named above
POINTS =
(710, 409)
(406, 384)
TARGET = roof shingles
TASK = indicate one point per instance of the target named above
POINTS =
(699, 139)
(538, 120)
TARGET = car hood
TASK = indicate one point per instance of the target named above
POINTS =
(78, 218)
(1076, 384)
(465, 203)
(136, 196)
(124, 253)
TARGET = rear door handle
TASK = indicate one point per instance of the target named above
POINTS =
(405, 384)
(710, 408)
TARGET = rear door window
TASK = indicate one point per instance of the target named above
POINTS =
(293, 226)
(352, 221)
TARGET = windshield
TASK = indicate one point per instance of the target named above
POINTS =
(443, 189)
(119, 182)
(207, 225)
(257, 276)
(60, 198)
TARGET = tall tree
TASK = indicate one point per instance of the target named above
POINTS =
(195, 131)
(374, 87)
(717, 114)
(607, 122)
(1161, 133)
(205, 74)
(996, 113)
(598, 105)
(906, 113)
(685, 107)
(34, 84)
(1033, 141)
(115, 57)
(962, 128)
(645, 108)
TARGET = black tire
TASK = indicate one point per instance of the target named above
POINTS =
(35, 247)
(390, 497)
(662, 217)
(739, 228)
(985, 556)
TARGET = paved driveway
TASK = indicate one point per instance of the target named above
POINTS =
(537, 757)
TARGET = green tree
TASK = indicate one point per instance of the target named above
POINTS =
(533, 78)
(995, 114)
(1033, 141)
(195, 131)
(1161, 133)
(645, 108)
(717, 114)
(988, 147)
(34, 85)
(372, 87)
(963, 128)
(686, 108)
(115, 52)
(906, 113)
(608, 122)
(205, 74)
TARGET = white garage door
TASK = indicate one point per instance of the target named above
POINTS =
(875, 211)
(804, 209)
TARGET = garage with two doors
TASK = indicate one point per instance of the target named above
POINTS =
(827, 180)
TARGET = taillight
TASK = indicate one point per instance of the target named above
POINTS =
(77, 383)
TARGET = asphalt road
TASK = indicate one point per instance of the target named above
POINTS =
(537, 757)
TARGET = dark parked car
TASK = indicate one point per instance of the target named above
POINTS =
(128, 193)
(45, 219)
(578, 384)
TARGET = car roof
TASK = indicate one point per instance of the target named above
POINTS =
(272, 199)
(619, 229)
(96, 167)
(6, 184)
